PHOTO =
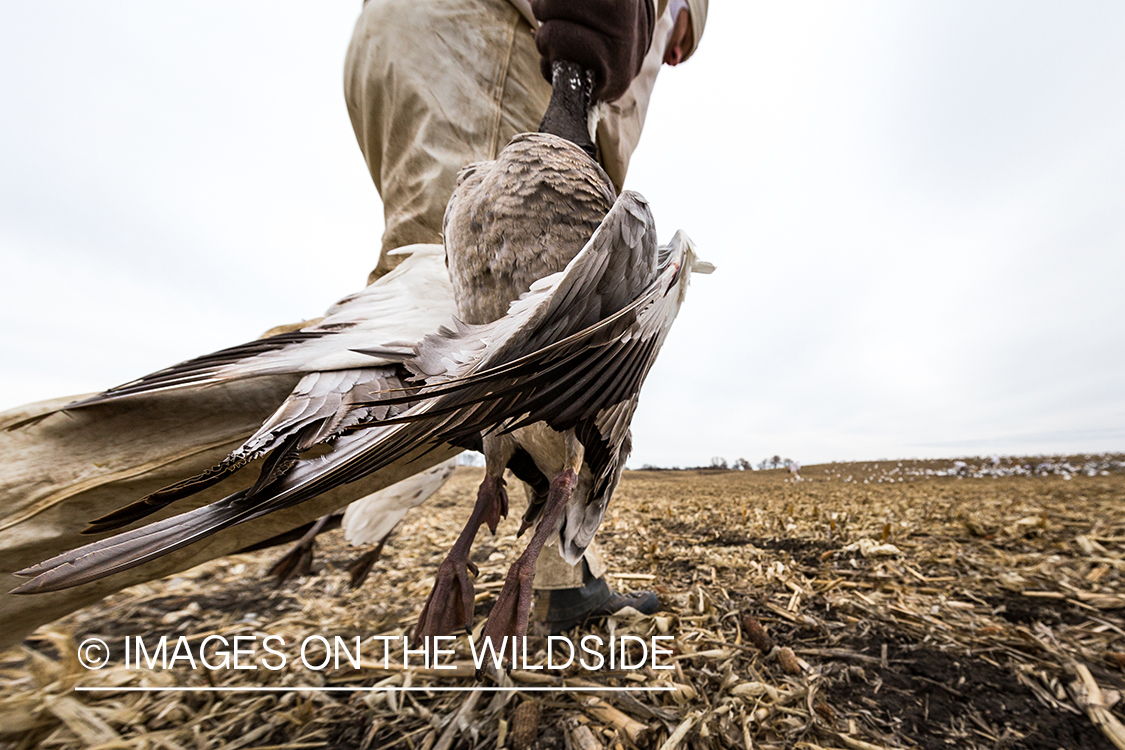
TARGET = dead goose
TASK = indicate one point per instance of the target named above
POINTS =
(552, 384)
(510, 223)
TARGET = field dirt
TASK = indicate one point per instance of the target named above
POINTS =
(865, 605)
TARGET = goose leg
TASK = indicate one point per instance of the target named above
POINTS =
(298, 560)
(513, 605)
(361, 566)
(450, 604)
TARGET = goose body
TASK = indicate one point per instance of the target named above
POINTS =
(519, 218)
(580, 438)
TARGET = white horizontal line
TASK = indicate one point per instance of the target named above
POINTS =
(388, 688)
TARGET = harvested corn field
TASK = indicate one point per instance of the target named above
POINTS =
(878, 605)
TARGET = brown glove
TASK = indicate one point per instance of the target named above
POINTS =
(609, 37)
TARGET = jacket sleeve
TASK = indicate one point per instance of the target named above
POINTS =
(619, 129)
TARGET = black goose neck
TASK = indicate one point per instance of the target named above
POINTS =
(568, 113)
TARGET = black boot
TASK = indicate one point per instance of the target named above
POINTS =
(593, 600)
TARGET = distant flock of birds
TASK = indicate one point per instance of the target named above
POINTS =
(993, 467)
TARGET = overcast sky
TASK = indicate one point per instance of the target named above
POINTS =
(917, 211)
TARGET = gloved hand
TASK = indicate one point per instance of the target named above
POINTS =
(609, 37)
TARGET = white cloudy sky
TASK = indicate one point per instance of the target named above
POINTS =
(917, 210)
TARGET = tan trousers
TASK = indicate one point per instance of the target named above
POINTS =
(421, 115)
(431, 87)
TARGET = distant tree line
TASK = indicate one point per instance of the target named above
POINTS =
(718, 463)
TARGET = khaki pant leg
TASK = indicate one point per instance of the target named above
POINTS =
(432, 87)
(553, 572)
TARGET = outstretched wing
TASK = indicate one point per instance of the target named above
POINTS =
(303, 480)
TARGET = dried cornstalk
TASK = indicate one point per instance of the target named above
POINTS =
(525, 725)
(1088, 695)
